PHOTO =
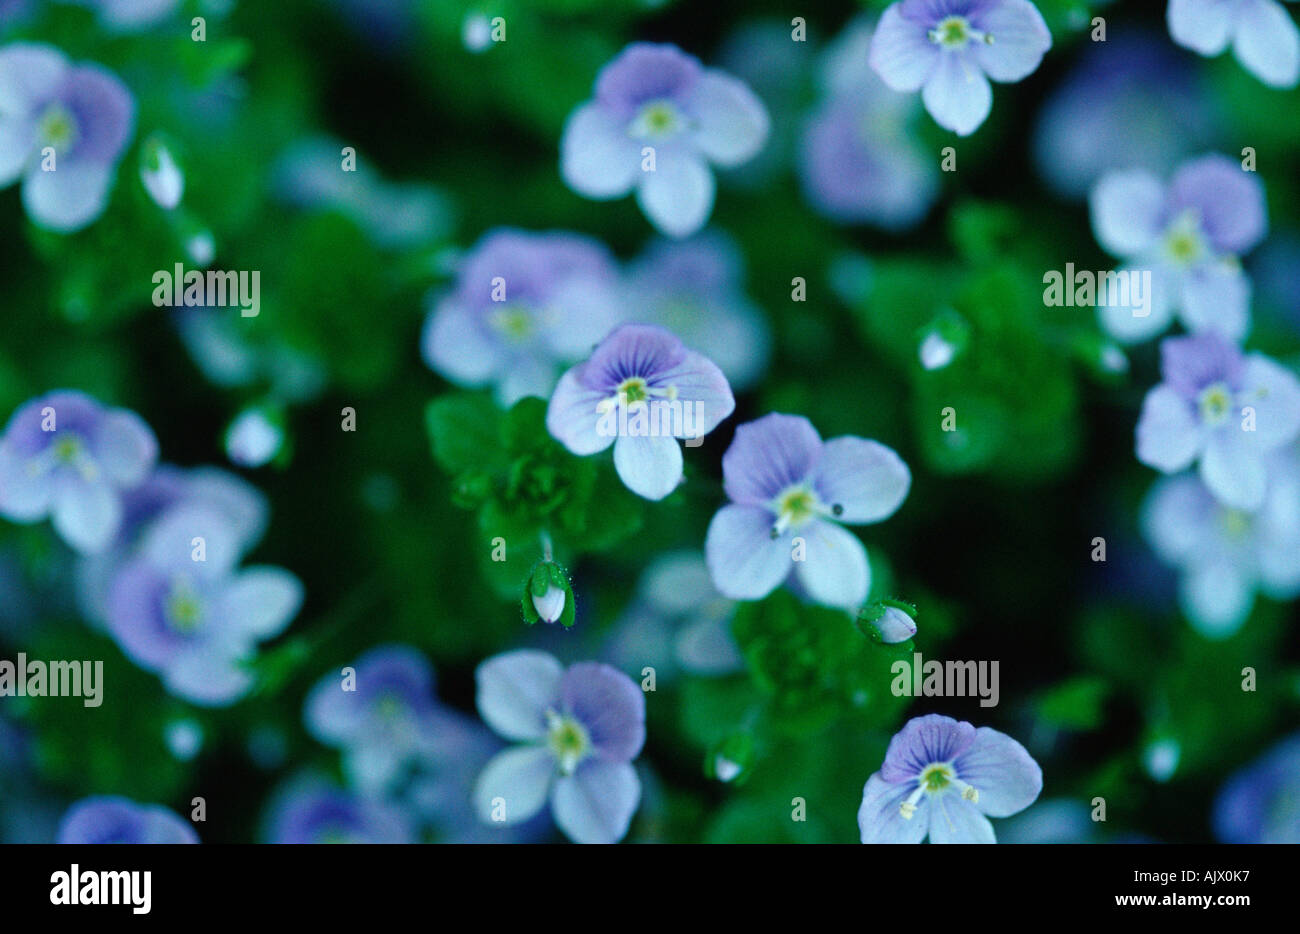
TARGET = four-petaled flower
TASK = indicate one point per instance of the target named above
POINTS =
(948, 49)
(1224, 408)
(1263, 37)
(580, 728)
(66, 456)
(789, 490)
(111, 819)
(658, 119)
(1189, 236)
(945, 778)
(640, 391)
(62, 130)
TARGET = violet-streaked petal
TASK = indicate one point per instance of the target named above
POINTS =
(1001, 770)
(767, 455)
(924, 741)
(745, 562)
(610, 707)
(515, 691)
(596, 803)
(868, 480)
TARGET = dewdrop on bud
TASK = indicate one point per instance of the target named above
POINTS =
(730, 760)
(942, 340)
(888, 621)
(548, 596)
(161, 176)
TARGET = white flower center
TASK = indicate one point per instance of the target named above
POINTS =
(935, 780)
(567, 740)
(1215, 404)
(184, 611)
(956, 32)
(1185, 243)
(57, 127)
(68, 450)
(657, 121)
(514, 322)
(796, 506)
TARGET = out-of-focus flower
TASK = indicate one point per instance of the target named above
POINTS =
(1189, 236)
(1132, 102)
(1262, 35)
(789, 492)
(66, 456)
(181, 607)
(1261, 803)
(160, 174)
(641, 390)
(579, 730)
(659, 118)
(944, 778)
(1223, 408)
(63, 128)
(695, 288)
(111, 819)
(948, 49)
(858, 161)
(523, 304)
(1225, 555)
(311, 810)
(129, 15)
(381, 717)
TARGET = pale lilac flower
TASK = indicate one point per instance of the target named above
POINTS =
(1261, 803)
(523, 304)
(945, 778)
(579, 730)
(1131, 102)
(1223, 408)
(309, 809)
(789, 491)
(66, 456)
(81, 112)
(385, 720)
(948, 49)
(182, 608)
(641, 390)
(1189, 236)
(695, 288)
(1225, 555)
(659, 118)
(110, 819)
(859, 162)
(1262, 34)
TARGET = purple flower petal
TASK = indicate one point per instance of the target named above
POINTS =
(1228, 201)
(515, 691)
(1274, 392)
(207, 676)
(597, 157)
(901, 51)
(697, 381)
(260, 601)
(731, 123)
(125, 448)
(1125, 324)
(745, 562)
(868, 480)
(1019, 39)
(68, 199)
(30, 75)
(834, 571)
(678, 195)
(86, 515)
(879, 817)
(645, 72)
(1001, 770)
(521, 777)
(1216, 299)
(957, 94)
(455, 344)
(767, 455)
(924, 741)
(610, 707)
(572, 416)
(955, 820)
(1168, 435)
(596, 803)
(1127, 210)
(112, 819)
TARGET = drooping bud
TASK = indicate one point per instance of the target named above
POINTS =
(160, 174)
(548, 595)
(888, 621)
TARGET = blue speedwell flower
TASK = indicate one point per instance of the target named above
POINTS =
(579, 730)
(945, 778)
(383, 719)
(659, 118)
(641, 390)
(309, 809)
(1262, 35)
(1189, 236)
(523, 304)
(858, 161)
(1225, 555)
(62, 130)
(1224, 409)
(1261, 803)
(694, 288)
(789, 491)
(948, 49)
(66, 456)
(111, 819)
(181, 607)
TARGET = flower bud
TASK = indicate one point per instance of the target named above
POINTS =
(888, 621)
(548, 596)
